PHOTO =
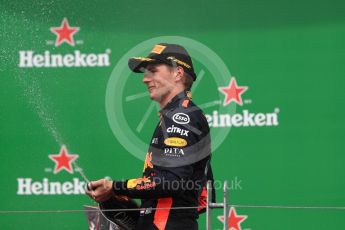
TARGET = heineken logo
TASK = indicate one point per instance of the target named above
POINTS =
(234, 220)
(64, 34)
(233, 96)
(26, 186)
(233, 92)
(30, 59)
(243, 119)
(63, 162)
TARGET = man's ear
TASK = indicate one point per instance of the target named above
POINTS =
(179, 73)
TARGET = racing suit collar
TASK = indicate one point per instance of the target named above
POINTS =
(172, 103)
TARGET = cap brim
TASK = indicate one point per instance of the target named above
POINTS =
(139, 64)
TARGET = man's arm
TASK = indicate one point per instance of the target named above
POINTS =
(165, 182)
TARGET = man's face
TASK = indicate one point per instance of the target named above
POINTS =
(160, 82)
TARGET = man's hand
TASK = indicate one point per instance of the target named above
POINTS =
(100, 190)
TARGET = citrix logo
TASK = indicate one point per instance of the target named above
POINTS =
(174, 129)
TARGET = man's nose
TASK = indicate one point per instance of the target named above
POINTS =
(146, 78)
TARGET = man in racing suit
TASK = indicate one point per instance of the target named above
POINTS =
(177, 164)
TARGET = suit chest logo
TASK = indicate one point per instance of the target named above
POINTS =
(175, 142)
(181, 118)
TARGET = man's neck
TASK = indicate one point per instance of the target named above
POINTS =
(169, 97)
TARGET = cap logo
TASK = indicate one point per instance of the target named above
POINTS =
(143, 58)
(158, 49)
(179, 61)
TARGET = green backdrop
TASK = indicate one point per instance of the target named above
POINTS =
(289, 54)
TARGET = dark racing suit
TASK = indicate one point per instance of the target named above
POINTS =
(176, 168)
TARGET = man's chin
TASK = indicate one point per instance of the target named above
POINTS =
(155, 97)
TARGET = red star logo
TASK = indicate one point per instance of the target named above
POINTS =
(63, 160)
(233, 92)
(64, 33)
(234, 220)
